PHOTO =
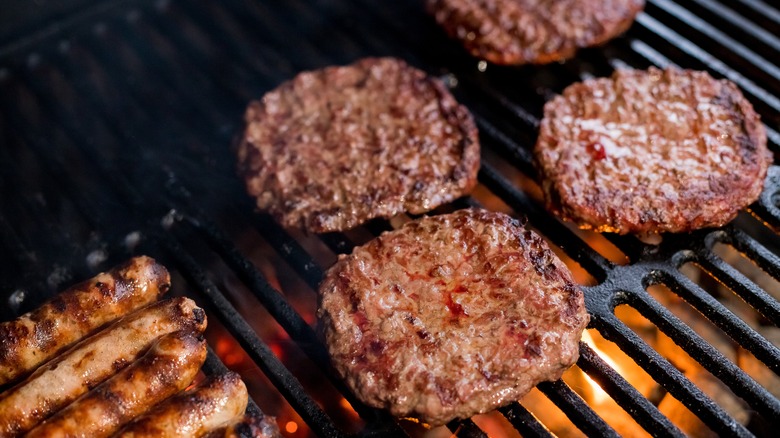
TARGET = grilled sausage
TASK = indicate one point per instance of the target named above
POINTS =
(216, 402)
(93, 360)
(39, 335)
(166, 369)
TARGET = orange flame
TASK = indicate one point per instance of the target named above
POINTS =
(599, 395)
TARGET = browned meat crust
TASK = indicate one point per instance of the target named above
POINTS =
(532, 31)
(92, 361)
(333, 148)
(166, 369)
(211, 405)
(651, 151)
(451, 316)
(37, 336)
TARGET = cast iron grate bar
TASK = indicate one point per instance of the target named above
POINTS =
(763, 8)
(720, 38)
(710, 358)
(742, 286)
(667, 375)
(741, 22)
(289, 248)
(632, 401)
(576, 409)
(524, 421)
(762, 256)
(768, 206)
(719, 315)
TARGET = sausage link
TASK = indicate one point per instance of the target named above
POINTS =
(166, 369)
(39, 335)
(216, 402)
(93, 360)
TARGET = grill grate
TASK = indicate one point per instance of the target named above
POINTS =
(116, 124)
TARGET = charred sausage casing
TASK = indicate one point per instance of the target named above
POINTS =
(166, 369)
(39, 335)
(92, 361)
(213, 404)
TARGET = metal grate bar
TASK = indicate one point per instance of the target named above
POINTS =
(199, 47)
(719, 315)
(763, 8)
(576, 409)
(82, 198)
(520, 157)
(709, 357)
(632, 401)
(55, 195)
(292, 252)
(339, 243)
(767, 208)
(524, 421)
(761, 301)
(668, 376)
(763, 257)
(716, 35)
(84, 194)
(744, 24)
(156, 55)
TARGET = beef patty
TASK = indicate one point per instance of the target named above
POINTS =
(532, 31)
(450, 316)
(335, 147)
(651, 151)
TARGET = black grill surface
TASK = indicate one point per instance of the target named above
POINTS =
(116, 130)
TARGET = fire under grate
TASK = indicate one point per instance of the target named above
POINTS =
(116, 127)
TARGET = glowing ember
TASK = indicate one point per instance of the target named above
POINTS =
(291, 427)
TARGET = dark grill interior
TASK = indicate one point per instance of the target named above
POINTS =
(116, 125)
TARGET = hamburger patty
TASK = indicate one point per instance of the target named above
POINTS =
(450, 316)
(651, 151)
(333, 148)
(532, 31)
